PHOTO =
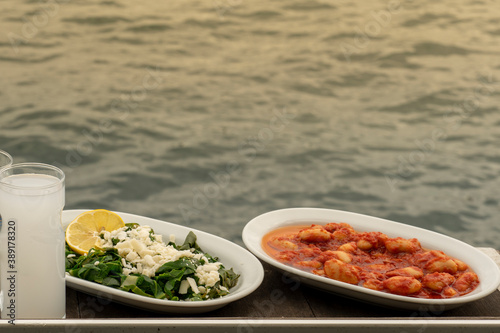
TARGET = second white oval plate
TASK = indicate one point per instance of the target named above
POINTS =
(231, 255)
(484, 266)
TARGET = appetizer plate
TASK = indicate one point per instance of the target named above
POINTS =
(481, 264)
(231, 255)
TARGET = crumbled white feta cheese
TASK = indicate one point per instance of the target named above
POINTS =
(131, 256)
(194, 286)
(208, 274)
(183, 288)
(149, 260)
(143, 252)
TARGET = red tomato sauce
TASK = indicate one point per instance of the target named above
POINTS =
(370, 259)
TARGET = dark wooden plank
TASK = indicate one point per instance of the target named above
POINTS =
(96, 307)
(72, 307)
(486, 307)
(278, 296)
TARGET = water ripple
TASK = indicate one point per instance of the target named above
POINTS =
(462, 184)
(425, 19)
(208, 23)
(342, 194)
(422, 105)
(143, 185)
(312, 89)
(450, 221)
(31, 59)
(147, 28)
(96, 20)
(355, 80)
(261, 15)
(129, 41)
(41, 114)
(309, 6)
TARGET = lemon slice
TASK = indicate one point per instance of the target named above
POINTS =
(82, 232)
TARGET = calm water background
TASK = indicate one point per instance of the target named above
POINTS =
(208, 113)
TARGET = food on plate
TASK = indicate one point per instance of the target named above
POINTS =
(82, 233)
(133, 258)
(371, 259)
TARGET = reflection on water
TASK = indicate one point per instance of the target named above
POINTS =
(208, 113)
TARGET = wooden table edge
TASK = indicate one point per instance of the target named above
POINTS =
(254, 326)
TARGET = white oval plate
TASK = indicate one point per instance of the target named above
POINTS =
(485, 267)
(231, 255)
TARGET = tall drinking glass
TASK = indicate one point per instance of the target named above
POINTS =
(32, 242)
(5, 161)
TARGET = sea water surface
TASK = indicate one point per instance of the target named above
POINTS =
(209, 113)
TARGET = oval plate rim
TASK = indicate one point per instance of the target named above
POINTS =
(256, 228)
(250, 269)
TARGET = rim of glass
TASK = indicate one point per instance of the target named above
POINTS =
(61, 176)
(3, 152)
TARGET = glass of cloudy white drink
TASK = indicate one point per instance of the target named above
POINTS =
(32, 263)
